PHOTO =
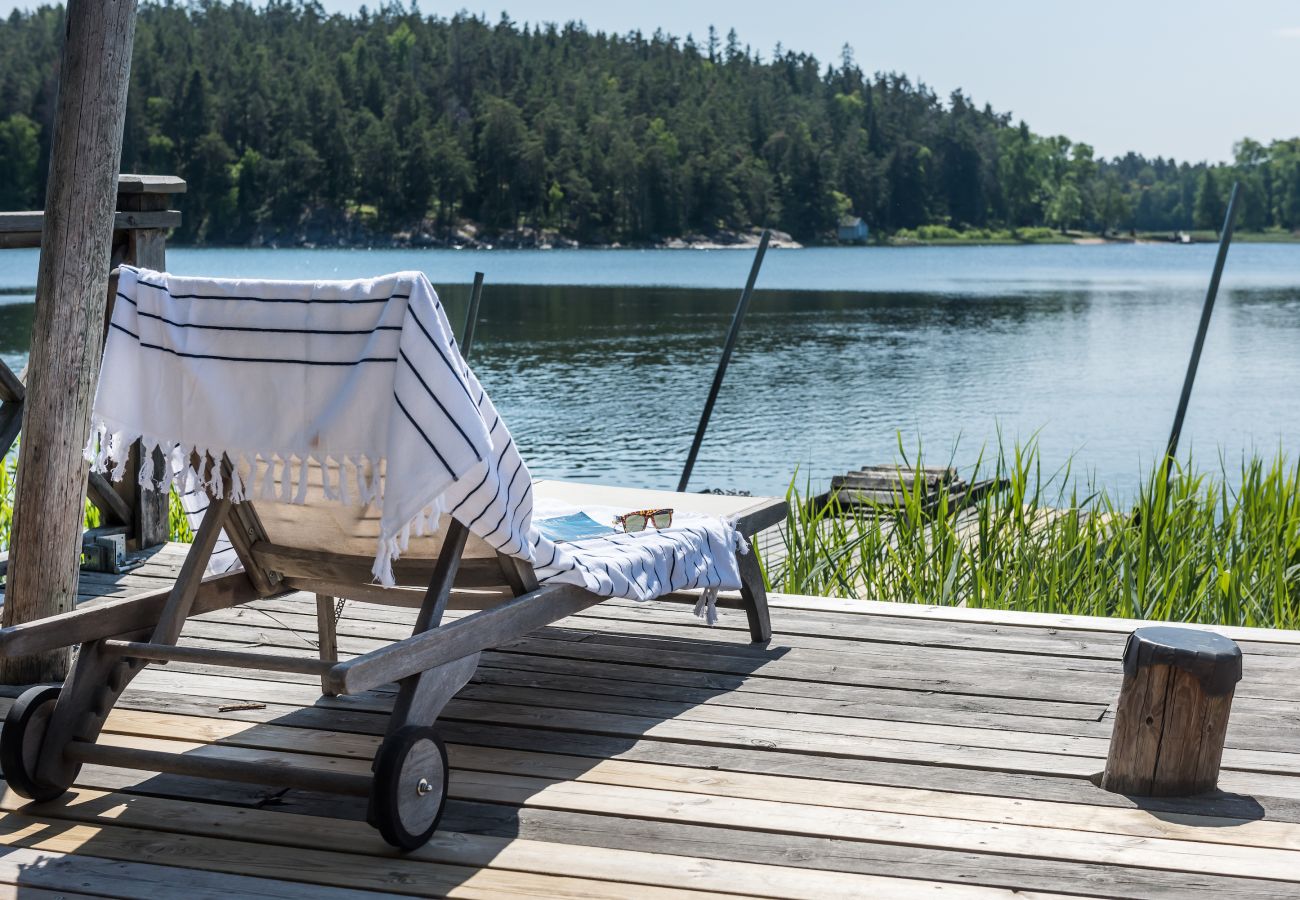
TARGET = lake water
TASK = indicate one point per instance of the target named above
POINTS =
(600, 360)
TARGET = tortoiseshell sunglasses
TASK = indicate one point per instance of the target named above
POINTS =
(637, 521)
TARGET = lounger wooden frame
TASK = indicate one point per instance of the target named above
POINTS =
(51, 732)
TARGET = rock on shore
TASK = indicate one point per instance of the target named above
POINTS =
(324, 228)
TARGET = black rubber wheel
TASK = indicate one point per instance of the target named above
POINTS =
(20, 742)
(410, 787)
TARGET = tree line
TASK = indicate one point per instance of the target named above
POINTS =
(287, 121)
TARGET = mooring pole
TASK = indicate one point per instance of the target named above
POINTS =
(71, 284)
(741, 306)
(471, 317)
(1225, 238)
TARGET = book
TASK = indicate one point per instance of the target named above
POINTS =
(573, 527)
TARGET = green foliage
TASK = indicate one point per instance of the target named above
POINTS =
(1199, 548)
(20, 151)
(6, 502)
(936, 233)
(284, 120)
(1210, 206)
(8, 482)
(179, 525)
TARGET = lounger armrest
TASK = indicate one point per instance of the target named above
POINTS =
(119, 617)
(455, 640)
(762, 515)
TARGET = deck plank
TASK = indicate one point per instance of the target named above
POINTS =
(868, 750)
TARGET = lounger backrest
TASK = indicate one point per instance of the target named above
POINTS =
(332, 527)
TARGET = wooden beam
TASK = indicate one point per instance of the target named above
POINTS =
(11, 386)
(118, 617)
(244, 529)
(23, 229)
(405, 597)
(190, 579)
(100, 491)
(410, 597)
(11, 422)
(460, 638)
(237, 659)
(150, 184)
(12, 394)
(146, 247)
(76, 242)
(33, 222)
(342, 568)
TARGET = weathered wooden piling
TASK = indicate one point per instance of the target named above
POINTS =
(66, 335)
(1172, 715)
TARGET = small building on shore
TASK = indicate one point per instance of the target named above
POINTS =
(851, 230)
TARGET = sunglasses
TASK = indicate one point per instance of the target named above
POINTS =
(637, 521)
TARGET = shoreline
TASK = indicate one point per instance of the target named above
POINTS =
(780, 241)
(527, 239)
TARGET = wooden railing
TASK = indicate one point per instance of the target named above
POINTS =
(140, 229)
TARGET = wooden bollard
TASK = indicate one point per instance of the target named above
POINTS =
(1172, 714)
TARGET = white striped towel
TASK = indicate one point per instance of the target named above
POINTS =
(363, 378)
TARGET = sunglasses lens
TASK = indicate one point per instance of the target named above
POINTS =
(663, 518)
(635, 522)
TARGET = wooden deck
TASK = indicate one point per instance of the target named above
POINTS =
(871, 750)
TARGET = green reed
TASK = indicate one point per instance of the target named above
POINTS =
(6, 502)
(1201, 547)
(177, 524)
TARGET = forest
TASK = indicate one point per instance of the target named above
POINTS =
(292, 125)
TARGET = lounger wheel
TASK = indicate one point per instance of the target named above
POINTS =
(410, 786)
(20, 742)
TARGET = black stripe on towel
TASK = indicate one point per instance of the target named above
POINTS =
(414, 425)
(460, 379)
(487, 470)
(330, 331)
(505, 507)
(494, 467)
(167, 291)
(434, 397)
(255, 359)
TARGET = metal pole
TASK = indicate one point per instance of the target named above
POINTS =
(1225, 238)
(730, 345)
(471, 317)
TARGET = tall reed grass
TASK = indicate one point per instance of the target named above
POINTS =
(1201, 547)
(1214, 547)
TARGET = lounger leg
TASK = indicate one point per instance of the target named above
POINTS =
(518, 574)
(754, 593)
(99, 677)
(327, 632)
(421, 698)
(96, 681)
(409, 790)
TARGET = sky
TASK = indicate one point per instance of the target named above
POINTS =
(1183, 79)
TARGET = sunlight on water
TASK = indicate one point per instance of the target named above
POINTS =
(1084, 346)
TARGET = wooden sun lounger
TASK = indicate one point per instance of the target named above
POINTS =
(51, 732)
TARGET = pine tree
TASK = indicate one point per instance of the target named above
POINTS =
(1209, 205)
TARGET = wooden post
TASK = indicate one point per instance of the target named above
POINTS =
(146, 248)
(1172, 715)
(71, 283)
